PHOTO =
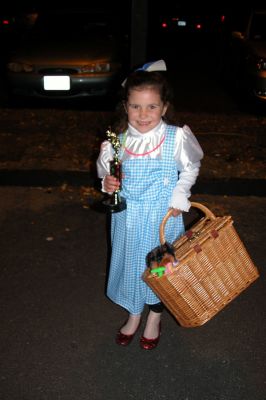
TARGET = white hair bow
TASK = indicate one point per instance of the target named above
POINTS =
(149, 67)
(153, 66)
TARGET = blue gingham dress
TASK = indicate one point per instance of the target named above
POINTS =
(147, 188)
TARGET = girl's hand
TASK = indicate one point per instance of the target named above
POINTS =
(111, 184)
(175, 212)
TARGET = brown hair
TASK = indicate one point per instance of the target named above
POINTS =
(142, 79)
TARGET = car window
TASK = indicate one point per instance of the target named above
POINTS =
(70, 26)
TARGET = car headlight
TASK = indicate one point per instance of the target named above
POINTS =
(96, 68)
(19, 67)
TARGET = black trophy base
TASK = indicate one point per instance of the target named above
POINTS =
(113, 206)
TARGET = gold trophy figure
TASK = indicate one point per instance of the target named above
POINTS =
(115, 203)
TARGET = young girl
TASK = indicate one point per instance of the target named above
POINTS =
(160, 164)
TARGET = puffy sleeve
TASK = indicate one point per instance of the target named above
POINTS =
(187, 154)
(105, 156)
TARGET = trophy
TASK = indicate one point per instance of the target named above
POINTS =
(115, 203)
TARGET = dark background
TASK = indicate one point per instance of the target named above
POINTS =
(194, 61)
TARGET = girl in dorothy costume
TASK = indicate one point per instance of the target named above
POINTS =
(160, 163)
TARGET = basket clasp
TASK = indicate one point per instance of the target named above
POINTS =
(192, 235)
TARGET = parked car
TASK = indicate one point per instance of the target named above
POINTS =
(245, 58)
(187, 34)
(182, 19)
(69, 54)
(189, 22)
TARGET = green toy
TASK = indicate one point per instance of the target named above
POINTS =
(159, 271)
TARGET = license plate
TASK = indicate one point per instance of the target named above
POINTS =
(56, 82)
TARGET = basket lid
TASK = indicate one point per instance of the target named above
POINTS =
(200, 232)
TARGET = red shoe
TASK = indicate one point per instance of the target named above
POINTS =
(150, 344)
(124, 340)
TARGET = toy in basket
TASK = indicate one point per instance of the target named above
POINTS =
(208, 269)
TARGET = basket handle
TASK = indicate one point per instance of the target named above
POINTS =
(200, 206)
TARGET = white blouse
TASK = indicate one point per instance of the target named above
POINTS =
(187, 153)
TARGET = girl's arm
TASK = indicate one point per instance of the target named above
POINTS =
(103, 161)
(109, 183)
(188, 154)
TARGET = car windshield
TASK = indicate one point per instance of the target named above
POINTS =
(70, 26)
(258, 27)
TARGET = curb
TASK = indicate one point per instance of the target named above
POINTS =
(230, 187)
(50, 178)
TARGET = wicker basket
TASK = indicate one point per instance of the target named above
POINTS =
(214, 268)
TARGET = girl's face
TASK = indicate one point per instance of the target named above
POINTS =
(145, 109)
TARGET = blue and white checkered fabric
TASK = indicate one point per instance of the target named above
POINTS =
(147, 187)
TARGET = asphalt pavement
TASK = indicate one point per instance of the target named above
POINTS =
(58, 327)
